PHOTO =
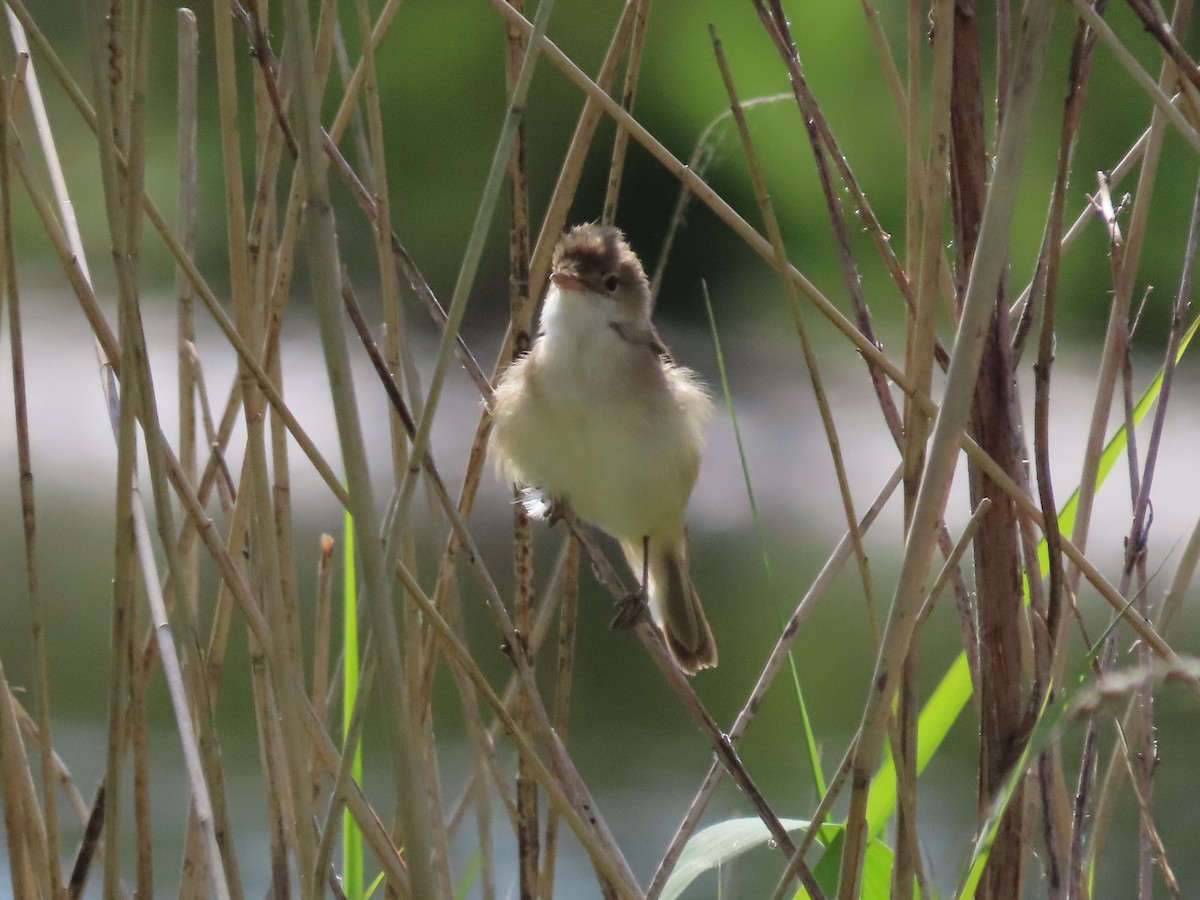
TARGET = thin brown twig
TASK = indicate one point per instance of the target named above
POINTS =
(633, 68)
(41, 680)
(562, 692)
(774, 664)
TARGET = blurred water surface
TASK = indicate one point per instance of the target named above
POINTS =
(640, 754)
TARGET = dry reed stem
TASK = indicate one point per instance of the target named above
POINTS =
(652, 640)
(1114, 342)
(960, 547)
(559, 791)
(193, 877)
(76, 258)
(562, 691)
(887, 62)
(1055, 804)
(27, 861)
(408, 765)
(1155, 91)
(520, 315)
(125, 562)
(633, 68)
(1129, 723)
(292, 767)
(322, 639)
(1136, 548)
(763, 247)
(1146, 819)
(564, 767)
(777, 27)
(41, 682)
(1115, 336)
(230, 575)
(547, 606)
(208, 805)
(181, 258)
(774, 664)
(951, 422)
(187, 197)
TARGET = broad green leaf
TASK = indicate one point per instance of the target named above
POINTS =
(716, 845)
(876, 881)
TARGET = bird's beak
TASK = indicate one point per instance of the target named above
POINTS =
(568, 282)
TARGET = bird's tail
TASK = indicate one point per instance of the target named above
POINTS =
(674, 604)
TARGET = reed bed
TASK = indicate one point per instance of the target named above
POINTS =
(359, 629)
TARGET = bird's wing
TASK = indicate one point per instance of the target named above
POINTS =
(642, 335)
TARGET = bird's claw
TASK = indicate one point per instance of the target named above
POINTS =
(556, 511)
(629, 610)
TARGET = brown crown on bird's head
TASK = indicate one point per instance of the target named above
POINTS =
(593, 252)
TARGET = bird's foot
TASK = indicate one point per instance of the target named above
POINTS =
(556, 511)
(629, 609)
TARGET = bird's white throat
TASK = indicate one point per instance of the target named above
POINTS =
(580, 344)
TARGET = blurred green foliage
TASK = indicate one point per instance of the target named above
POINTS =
(442, 82)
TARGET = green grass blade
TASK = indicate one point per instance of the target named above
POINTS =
(937, 717)
(352, 839)
(810, 740)
(876, 882)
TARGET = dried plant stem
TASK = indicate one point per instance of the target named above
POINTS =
(613, 868)
(70, 247)
(1116, 334)
(1156, 92)
(25, 850)
(562, 693)
(326, 277)
(123, 126)
(838, 781)
(8, 278)
(780, 260)
(564, 768)
(477, 782)
(521, 315)
(1055, 804)
(951, 421)
(773, 666)
(286, 670)
(487, 204)
(633, 69)
(186, 367)
(322, 636)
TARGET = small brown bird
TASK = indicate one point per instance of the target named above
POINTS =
(599, 416)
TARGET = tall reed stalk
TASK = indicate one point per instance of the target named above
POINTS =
(206, 539)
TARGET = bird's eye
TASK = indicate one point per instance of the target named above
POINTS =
(610, 283)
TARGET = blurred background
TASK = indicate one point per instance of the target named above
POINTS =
(441, 69)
